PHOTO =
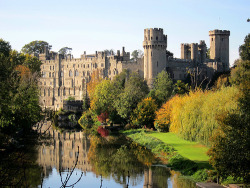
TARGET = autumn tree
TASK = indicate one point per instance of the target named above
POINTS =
(36, 46)
(95, 79)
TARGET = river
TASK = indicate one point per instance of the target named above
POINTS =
(74, 159)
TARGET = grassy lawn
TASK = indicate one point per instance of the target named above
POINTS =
(191, 150)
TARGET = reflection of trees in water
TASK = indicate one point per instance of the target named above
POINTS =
(180, 182)
(18, 167)
(126, 162)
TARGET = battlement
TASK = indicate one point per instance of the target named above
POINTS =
(219, 32)
(155, 34)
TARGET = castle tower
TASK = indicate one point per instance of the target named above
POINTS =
(219, 47)
(154, 44)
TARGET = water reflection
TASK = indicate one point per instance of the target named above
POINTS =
(74, 158)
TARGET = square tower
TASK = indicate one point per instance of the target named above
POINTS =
(219, 47)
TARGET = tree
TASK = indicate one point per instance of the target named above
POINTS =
(144, 114)
(19, 94)
(65, 50)
(135, 90)
(109, 52)
(181, 88)
(230, 151)
(136, 54)
(162, 88)
(36, 46)
(5, 47)
(244, 49)
(169, 54)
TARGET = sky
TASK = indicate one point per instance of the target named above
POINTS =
(96, 25)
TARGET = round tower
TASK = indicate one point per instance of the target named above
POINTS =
(219, 47)
(154, 44)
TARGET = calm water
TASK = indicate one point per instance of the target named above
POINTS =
(64, 159)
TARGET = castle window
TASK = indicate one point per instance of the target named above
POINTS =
(58, 92)
(151, 38)
(102, 65)
(48, 92)
(69, 91)
(53, 67)
(44, 92)
(45, 83)
(50, 74)
(83, 73)
(221, 39)
(157, 63)
(212, 39)
(64, 93)
(76, 73)
(53, 74)
(88, 65)
(83, 66)
(49, 67)
(156, 38)
(70, 73)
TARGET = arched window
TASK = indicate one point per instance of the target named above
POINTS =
(70, 73)
(53, 74)
(76, 73)
(58, 92)
(83, 73)
(49, 92)
(50, 74)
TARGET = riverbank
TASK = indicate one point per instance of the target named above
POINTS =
(187, 157)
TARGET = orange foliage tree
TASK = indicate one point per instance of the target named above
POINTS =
(162, 120)
(95, 79)
(23, 71)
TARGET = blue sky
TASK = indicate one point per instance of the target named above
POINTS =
(95, 25)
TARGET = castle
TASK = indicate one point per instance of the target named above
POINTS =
(64, 76)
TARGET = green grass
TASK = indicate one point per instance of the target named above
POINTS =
(190, 150)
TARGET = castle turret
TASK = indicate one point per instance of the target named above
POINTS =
(219, 47)
(154, 44)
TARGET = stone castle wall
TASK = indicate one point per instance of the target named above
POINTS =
(67, 76)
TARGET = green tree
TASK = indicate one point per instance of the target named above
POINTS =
(230, 151)
(19, 94)
(144, 114)
(162, 88)
(135, 90)
(64, 50)
(180, 87)
(5, 47)
(36, 46)
(136, 54)
(244, 49)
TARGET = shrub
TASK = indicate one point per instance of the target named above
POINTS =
(86, 121)
(102, 131)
